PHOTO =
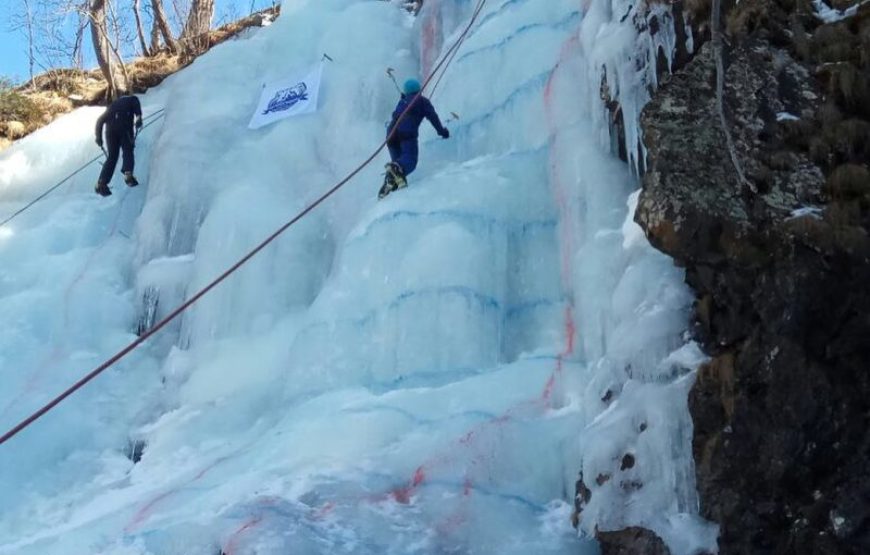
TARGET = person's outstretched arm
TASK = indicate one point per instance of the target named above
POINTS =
(432, 116)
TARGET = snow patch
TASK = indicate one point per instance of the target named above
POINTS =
(812, 211)
(828, 14)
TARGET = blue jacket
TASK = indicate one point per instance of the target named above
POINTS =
(410, 124)
(120, 114)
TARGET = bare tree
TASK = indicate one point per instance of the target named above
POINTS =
(55, 32)
(78, 50)
(162, 23)
(228, 15)
(28, 22)
(61, 44)
(52, 41)
(195, 34)
(113, 25)
(155, 38)
(140, 32)
(25, 21)
(110, 61)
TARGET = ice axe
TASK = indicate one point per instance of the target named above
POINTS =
(453, 117)
(390, 72)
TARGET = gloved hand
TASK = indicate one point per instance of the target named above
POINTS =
(99, 142)
(445, 133)
(139, 123)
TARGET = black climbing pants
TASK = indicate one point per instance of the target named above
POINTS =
(118, 141)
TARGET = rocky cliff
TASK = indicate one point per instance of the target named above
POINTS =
(761, 191)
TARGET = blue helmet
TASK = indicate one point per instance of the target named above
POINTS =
(412, 86)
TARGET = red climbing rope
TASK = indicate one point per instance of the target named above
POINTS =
(445, 62)
(444, 72)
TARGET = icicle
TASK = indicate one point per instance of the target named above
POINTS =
(148, 313)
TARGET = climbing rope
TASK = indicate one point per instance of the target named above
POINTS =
(443, 73)
(152, 117)
(444, 62)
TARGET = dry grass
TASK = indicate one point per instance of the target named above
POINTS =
(149, 72)
(22, 112)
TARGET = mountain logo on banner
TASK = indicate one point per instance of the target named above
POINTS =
(294, 95)
(287, 98)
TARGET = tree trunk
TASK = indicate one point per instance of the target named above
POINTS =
(115, 78)
(195, 35)
(155, 39)
(161, 22)
(31, 56)
(78, 45)
(139, 30)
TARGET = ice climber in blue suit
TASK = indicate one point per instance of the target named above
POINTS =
(118, 121)
(403, 144)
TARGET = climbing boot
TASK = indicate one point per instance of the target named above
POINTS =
(102, 189)
(130, 180)
(394, 170)
(388, 187)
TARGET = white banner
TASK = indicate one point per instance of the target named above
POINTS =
(294, 96)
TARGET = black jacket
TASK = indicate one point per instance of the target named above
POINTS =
(119, 116)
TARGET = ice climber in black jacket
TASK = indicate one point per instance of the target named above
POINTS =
(119, 120)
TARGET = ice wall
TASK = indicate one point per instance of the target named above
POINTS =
(66, 306)
(426, 374)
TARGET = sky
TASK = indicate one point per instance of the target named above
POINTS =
(13, 59)
(13, 53)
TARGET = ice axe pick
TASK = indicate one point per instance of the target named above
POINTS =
(391, 73)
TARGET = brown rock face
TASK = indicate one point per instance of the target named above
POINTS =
(782, 411)
(632, 541)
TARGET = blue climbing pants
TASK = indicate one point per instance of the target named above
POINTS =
(403, 151)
